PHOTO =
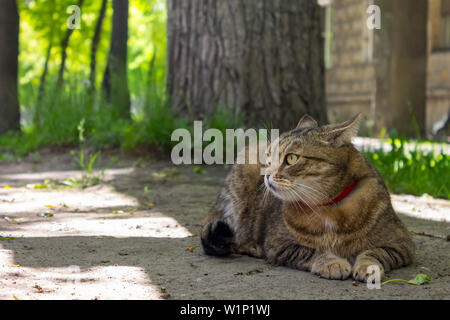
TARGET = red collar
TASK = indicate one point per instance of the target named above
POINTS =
(340, 197)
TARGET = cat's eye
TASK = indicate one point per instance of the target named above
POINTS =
(291, 159)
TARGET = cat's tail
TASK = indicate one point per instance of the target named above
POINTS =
(217, 238)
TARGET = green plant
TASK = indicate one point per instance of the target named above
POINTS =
(414, 171)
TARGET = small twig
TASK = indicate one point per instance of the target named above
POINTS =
(419, 233)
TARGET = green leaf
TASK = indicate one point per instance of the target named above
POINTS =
(420, 279)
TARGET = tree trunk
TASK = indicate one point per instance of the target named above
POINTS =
(64, 45)
(42, 81)
(401, 66)
(259, 58)
(115, 82)
(9, 44)
(95, 42)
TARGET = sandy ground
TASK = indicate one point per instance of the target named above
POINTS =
(135, 236)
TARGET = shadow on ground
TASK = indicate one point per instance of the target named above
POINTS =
(121, 240)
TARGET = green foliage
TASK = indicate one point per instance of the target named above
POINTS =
(71, 116)
(413, 172)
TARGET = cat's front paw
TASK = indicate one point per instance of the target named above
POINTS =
(336, 269)
(362, 270)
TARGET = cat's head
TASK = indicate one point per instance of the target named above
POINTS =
(312, 161)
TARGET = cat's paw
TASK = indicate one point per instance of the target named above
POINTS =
(362, 270)
(335, 269)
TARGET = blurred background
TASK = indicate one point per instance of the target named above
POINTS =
(93, 75)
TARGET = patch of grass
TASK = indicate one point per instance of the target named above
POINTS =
(413, 172)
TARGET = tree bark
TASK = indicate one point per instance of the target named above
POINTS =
(259, 58)
(9, 44)
(115, 82)
(401, 66)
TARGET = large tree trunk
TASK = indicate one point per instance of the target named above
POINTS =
(9, 44)
(401, 66)
(115, 82)
(260, 58)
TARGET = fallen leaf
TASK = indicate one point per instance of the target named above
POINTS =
(13, 219)
(40, 186)
(254, 271)
(150, 204)
(38, 288)
(161, 175)
(191, 248)
(418, 280)
(49, 206)
(14, 265)
(7, 187)
(15, 298)
(46, 214)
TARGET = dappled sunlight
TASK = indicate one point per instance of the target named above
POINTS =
(24, 201)
(149, 224)
(424, 207)
(59, 175)
(73, 282)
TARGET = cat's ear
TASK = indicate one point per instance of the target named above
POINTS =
(306, 122)
(342, 133)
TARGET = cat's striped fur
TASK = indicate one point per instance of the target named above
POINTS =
(281, 219)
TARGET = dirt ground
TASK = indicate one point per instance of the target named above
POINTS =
(135, 236)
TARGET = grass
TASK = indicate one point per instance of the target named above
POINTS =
(65, 121)
(413, 172)
(69, 118)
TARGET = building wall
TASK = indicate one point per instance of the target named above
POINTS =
(438, 87)
(350, 78)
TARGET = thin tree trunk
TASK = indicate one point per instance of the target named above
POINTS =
(115, 83)
(64, 45)
(95, 42)
(151, 68)
(42, 81)
(9, 44)
(261, 58)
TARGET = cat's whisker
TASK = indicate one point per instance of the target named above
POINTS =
(295, 202)
(312, 189)
(305, 194)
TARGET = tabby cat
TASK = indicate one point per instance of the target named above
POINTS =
(323, 208)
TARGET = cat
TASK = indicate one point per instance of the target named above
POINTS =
(322, 208)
